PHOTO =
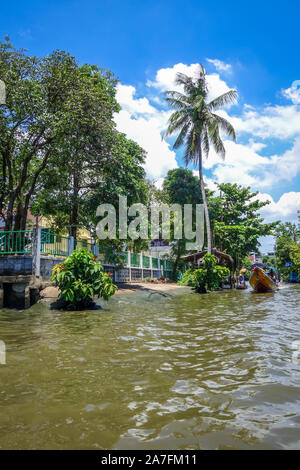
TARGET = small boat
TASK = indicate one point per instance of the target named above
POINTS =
(242, 286)
(260, 281)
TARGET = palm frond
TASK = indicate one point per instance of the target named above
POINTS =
(177, 96)
(174, 103)
(184, 80)
(225, 126)
(198, 102)
(192, 148)
(215, 139)
(181, 136)
(227, 98)
(176, 121)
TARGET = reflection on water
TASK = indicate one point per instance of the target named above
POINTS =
(154, 371)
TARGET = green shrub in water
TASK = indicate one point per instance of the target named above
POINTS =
(206, 278)
(80, 278)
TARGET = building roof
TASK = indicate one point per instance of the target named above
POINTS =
(218, 254)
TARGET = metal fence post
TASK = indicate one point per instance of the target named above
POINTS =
(158, 265)
(129, 264)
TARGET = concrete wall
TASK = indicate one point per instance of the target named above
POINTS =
(15, 265)
(47, 264)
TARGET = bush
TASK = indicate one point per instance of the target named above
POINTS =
(206, 278)
(80, 278)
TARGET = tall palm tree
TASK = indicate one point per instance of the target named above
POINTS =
(197, 125)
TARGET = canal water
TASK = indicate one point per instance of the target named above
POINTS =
(153, 371)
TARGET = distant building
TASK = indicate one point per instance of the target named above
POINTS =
(159, 248)
(255, 257)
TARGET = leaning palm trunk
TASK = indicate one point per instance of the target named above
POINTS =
(206, 212)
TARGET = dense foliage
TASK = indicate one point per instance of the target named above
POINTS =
(237, 223)
(60, 153)
(287, 249)
(207, 277)
(80, 278)
(235, 215)
(180, 186)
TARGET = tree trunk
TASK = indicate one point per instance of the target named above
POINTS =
(75, 207)
(206, 212)
(9, 214)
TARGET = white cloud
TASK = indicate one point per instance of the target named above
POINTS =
(244, 165)
(146, 132)
(277, 122)
(143, 123)
(293, 93)
(220, 65)
(125, 97)
(284, 209)
(165, 80)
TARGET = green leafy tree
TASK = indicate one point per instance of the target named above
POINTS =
(180, 186)
(295, 257)
(57, 119)
(237, 222)
(246, 262)
(98, 179)
(288, 230)
(198, 126)
(286, 251)
(207, 277)
(269, 261)
(80, 278)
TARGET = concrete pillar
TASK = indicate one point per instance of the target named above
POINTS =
(70, 245)
(36, 252)
(95, 249)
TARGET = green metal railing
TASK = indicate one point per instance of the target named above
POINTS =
(135, 260)
(16, 242)
(146, 261)
(79, 244)
(53, 244)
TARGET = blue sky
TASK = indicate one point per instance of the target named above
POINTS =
(251, 46)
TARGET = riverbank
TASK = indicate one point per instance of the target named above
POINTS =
(51, 293)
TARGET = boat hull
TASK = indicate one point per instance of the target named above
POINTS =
(261, 282)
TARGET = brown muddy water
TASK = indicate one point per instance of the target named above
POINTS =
(152, 371)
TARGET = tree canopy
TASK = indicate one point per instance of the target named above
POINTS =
(61, 155)
(237, 222)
